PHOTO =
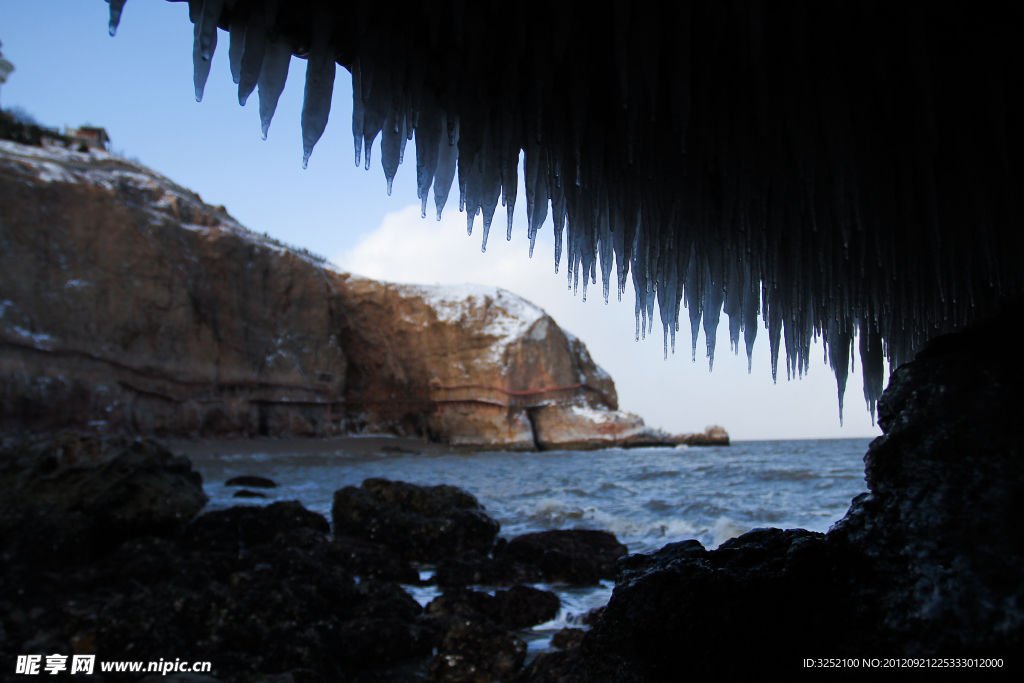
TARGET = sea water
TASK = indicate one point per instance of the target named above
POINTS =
(647, 497)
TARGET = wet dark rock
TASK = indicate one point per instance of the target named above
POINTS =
(768, 589)
(929, 563)
(525, 606)
(568, 638)
(516, 608)
(258, 591)
(375, 642)
(942, 530)
(484, 571)
(253, 482)
(374, 560)
(477, 652)
(246, 493)
(463, 602)
(423, 524)
(108, 489)
(250, 525)
(566, 666)
(575, 556)
(381, 599)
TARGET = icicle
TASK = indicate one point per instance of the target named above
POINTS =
(316, 101)
(750, 309)
(357, 109)
(448, 156)
(272, 78)
(236, 33)
(871, 358)
(253, 55)
(200, 66)
(840, 341)
(390, 142)
(116, 7)
(428, 140)
(207, 35)
(694, 299)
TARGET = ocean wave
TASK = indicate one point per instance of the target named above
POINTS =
(724, 528)
(784, 475)
(557, 514)
(647, 476)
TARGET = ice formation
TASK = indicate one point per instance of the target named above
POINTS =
(848, 171)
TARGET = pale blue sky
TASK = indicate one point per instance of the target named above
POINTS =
(139, 86)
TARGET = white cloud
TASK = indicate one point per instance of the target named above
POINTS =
(677, 395)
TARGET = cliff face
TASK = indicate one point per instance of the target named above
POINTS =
(127, 304)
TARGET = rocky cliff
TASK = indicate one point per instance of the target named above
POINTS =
(129, 305)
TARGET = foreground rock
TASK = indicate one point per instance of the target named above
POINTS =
(121, 312)
(84, 494)
(576, 556)
(254, 590)
(423, 524)
(928, 564)
(579, 557)
(516, 608)
(477, 652)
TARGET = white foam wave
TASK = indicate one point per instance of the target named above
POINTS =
(557, 514)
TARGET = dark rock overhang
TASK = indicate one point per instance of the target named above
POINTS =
(840, 167)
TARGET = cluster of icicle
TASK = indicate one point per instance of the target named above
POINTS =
(831, 167)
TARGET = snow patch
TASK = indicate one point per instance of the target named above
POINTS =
(594, 415)
(504, 315)
(38, 339)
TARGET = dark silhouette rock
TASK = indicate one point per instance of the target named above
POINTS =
(251, 525)
(927, 564)
(484, 571)
(568, 638)
(374, 560)
(371, 643)
(422, 524)
(525, 606)
(246, 493)
(253, 482)
(768, 589)
(576, 556)
(516, 608)
(83, 490)
(566, 666)
(257, 591)
(477, 651)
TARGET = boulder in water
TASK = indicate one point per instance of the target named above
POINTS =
(423, 524)
(253, 482)
(250, 525)
(516, 608)
(575, 556)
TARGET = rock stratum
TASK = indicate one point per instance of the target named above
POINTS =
(128, 305)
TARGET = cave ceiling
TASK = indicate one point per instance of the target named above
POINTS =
(847, 170)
